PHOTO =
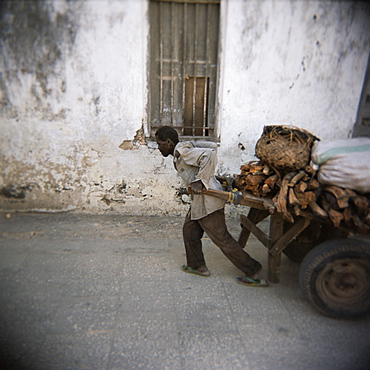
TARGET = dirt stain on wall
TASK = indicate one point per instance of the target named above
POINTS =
(35, 40)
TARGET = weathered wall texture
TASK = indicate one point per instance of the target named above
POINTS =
(73, 88)
(291, 62)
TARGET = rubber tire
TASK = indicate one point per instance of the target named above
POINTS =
(335, 278)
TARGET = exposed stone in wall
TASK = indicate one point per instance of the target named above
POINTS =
(73, 90)
(138, 140)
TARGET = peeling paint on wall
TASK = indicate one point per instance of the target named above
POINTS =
(73, 94)
(92, 157)
(36, 39)
(138, 140)
(16, 192)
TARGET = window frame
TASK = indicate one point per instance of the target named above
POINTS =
(210, 126)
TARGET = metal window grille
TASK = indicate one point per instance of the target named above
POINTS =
(183, 65)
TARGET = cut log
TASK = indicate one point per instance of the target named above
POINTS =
(336, 191)
(255, 167)
(341, 195)
(254, 180)
(350, 193)
(305, 198)
(296, 178)
(266, 170)
(265, 189)
(281, 204)
(300, 187)
(293, 200)
(316, 209)
(313, 184)
(335, 217)
(343, 202)
(271, 180)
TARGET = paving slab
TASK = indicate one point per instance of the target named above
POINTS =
(107, 292)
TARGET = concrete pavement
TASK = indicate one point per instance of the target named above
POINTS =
(107, 292)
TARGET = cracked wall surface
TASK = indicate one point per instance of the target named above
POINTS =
(73, 96)
(291, 62)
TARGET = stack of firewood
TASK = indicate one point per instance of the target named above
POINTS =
(257, 178)
(346, 207)
(297, 192)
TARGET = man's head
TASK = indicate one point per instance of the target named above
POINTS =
(167, 138)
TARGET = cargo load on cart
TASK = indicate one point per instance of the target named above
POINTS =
(317, 194)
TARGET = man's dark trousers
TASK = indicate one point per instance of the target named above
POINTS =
(215, 227)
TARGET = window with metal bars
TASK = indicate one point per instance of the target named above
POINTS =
(183, 66)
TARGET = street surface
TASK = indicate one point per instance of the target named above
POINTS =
(106, 292)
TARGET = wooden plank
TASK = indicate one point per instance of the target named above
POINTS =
(279, 245)
(244, 236)
(199, 108)
(264, 204)
(188, 105)
(251, 200)
(256, 216)
(274, 261)
(257, 232)
(259, 203)
(236, 198)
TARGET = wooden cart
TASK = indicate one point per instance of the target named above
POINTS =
(334, 276)
(277, 238)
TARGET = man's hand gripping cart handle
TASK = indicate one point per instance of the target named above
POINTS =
(236, 197)
(231, 197)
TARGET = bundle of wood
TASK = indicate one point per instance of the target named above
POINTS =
(298, 191)
(257, 178)
(346, 207)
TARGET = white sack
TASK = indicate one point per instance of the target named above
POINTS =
(344, 163)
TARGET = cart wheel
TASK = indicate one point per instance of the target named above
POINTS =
(335, 278)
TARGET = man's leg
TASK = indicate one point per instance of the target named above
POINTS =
(215, 227)
(192, 233)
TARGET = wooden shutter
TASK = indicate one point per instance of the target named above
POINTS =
(183, 66)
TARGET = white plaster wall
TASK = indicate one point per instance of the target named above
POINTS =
(300, 63)
(60, 142)
(281, 62)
